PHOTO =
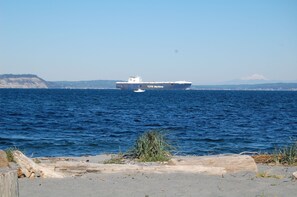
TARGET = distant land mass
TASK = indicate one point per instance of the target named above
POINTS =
(93, 84)
(33, 81)
(22, 81)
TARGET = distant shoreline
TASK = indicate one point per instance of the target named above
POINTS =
(30, 81)
(194, 89)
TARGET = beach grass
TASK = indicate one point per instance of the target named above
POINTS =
(264, 158)
(9, 154)
(116, 159)
(152, 146)
(286, 155)
(267, 175)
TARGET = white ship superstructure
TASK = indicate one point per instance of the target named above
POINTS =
(136, 82)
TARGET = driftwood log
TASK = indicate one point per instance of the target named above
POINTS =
(9, 186)
(215, 165)
(3, 159)
(31, 169)
(78, 168)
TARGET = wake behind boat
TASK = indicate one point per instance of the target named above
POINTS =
(139, 90)
(136, 83)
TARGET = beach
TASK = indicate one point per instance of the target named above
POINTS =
(173, 184)
(275, 181)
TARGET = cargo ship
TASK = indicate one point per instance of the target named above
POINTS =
(136, 83)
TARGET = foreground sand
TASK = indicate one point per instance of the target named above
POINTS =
(165, 184)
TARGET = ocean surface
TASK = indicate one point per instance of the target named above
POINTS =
(90, 122)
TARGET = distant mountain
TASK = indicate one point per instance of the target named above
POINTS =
(255, 78)
(251, 82)
(22, 81)
(241, 81)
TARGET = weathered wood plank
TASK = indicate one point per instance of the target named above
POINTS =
(9, 186)
(216, 165)
(3, 159)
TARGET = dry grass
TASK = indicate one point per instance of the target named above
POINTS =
(267, 175)
(36, 160)
(9, 154)
(282, 156)
(264, 159)
(286, 155)
(116, 159)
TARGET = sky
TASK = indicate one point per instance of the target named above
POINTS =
(203, 41)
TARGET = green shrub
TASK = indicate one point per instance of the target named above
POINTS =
(151, 146)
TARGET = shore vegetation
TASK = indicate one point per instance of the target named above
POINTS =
(9, 154)
(116, 159)
(267, 175)
(151, 146)
(286, 155)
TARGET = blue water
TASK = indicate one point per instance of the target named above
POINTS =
(89, 122)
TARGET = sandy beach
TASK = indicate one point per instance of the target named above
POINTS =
(277, 181)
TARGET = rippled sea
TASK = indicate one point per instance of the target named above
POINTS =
(89, 122)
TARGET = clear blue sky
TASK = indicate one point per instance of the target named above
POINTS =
(204, 42)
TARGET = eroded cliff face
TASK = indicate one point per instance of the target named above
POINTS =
(22, 81)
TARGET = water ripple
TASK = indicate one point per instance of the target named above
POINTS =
(81, 122)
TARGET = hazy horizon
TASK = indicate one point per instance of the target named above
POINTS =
(206, 42)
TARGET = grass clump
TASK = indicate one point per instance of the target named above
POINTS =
(9, 154)
(152, 146)
(267, 175)
(264, 158)
(37, 161)
(116, 159)
(286, 155)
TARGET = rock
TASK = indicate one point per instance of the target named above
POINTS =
(3, 159)
(295, 175)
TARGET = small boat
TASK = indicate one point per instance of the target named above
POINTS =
(139, 90)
